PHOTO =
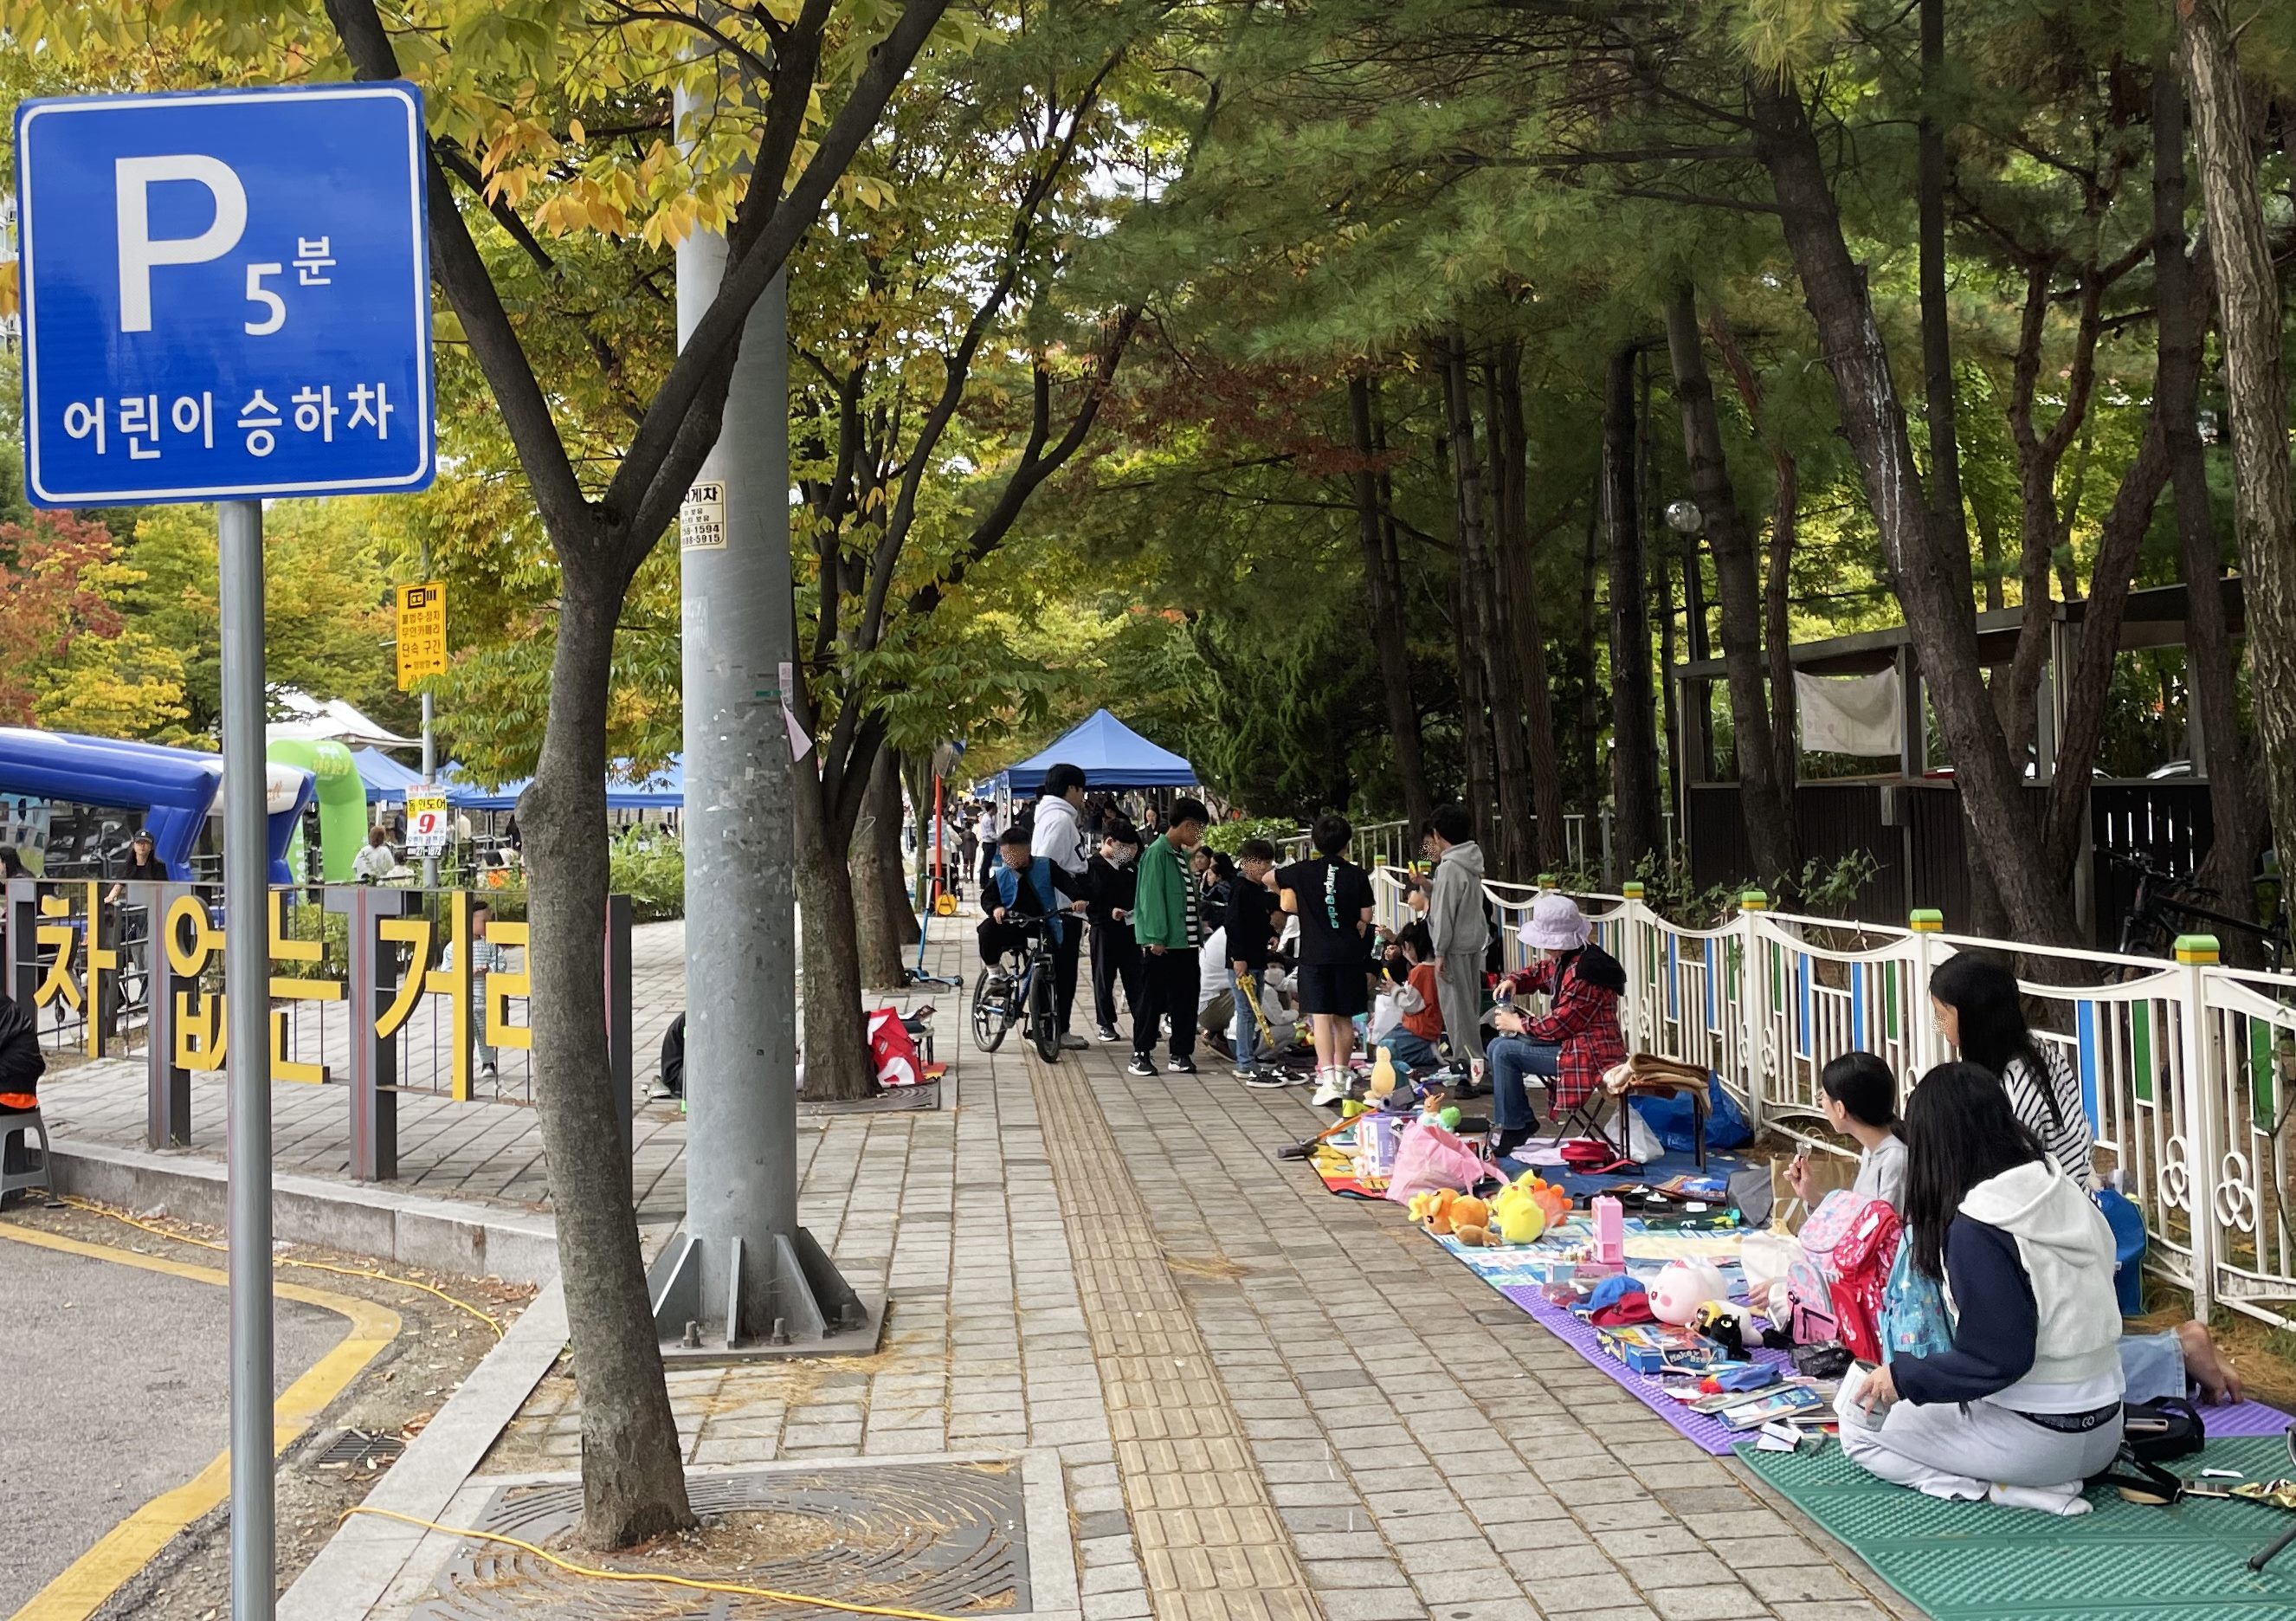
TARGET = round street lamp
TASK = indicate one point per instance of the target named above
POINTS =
(1684, 518)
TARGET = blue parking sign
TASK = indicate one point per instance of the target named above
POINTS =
(225, 294)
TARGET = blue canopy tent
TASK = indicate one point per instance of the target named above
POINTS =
(1111, 754)
(385, 778)
(665, 790)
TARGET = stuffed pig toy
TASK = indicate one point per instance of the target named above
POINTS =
(1683, 1287)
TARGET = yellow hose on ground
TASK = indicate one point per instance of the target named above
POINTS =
(670, 1581)
(317, 1266)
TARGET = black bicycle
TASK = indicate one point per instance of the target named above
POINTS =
(1003, 996)
(2167, 905)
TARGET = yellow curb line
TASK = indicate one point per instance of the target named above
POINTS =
(129, 1546)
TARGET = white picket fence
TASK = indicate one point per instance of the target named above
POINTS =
(2187, 1069)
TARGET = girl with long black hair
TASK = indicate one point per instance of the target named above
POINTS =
(1982, 1012)
(2026, 1404)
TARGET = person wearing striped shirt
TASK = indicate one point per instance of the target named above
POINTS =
(1980, 1012)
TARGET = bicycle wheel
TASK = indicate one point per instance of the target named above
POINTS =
(1042, 1033)
(992, 1013)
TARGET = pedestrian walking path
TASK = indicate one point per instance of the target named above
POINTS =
(1264, 1403)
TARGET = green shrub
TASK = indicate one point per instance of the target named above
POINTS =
(1228, 837)
(648, 866)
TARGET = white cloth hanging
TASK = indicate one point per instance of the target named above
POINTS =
(1851, 715)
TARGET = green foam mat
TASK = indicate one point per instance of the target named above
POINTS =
(1974, 1562)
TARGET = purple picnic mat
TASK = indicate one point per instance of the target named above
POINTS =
(1710, 1434)
(2244, 1419)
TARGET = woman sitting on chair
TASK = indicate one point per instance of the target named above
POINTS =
(1576, 1040)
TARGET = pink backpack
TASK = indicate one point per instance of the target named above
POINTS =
(1809, 1313)
(1813, 1310)
(1836, 1216)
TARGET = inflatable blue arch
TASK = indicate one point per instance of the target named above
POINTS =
(172, 791)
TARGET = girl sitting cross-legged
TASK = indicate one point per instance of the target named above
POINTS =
(2026, 1404)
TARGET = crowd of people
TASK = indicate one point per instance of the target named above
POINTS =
(1990, 1166)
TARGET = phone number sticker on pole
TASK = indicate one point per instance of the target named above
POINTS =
(225, 294)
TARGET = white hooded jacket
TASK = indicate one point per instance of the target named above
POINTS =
(2067, 1251)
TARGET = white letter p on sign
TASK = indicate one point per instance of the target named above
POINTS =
(138, 252)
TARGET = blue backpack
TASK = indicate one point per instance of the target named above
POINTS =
(1914, 1321)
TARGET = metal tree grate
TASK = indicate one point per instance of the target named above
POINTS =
(362, 1449)
(948, 1538)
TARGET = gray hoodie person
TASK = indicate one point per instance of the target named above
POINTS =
(1456, 917)
(1460, 926)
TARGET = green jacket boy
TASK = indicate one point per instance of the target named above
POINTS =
(1161, 906)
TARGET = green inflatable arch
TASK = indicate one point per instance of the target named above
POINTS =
(342, 800)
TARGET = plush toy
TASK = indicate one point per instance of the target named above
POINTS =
(1520, 1215)
(1436, 1209)
(1467, 1212)
(1382, 1075)
(1550, 1198)
(1735, 1328)
(1683, 1287)
(1473, 1238)
(1449, 1118)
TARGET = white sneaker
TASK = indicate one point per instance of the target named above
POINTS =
(1331, 1086)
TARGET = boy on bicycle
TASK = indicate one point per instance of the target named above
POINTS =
(1024, 888)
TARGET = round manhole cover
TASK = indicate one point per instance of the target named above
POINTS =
(948, 1538)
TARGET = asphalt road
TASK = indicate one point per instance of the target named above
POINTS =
(132, 1373)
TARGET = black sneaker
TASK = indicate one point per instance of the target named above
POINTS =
(1263, 1080)
(1180, 1066)
(1107, 1032)
(1141, 1064)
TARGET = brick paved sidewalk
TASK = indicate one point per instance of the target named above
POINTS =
(1267, 1403)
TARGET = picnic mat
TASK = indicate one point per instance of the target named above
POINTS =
(1974, 1562)
(1506, 1270)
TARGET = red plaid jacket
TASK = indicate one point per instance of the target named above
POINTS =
(1583, 1021)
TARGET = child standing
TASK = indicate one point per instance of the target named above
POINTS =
(1170, 929)
(1332, 899)
(1250, 938)
(1111, 880)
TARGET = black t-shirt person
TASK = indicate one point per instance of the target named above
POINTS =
(1330, 894)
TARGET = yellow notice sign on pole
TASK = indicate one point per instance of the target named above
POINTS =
(421, 632)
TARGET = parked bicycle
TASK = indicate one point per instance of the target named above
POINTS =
(1004, 995)
(2168, 904)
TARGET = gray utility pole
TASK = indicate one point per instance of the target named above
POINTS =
(741, 1275)
(247, 1004)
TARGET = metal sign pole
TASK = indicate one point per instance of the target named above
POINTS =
(247, 973)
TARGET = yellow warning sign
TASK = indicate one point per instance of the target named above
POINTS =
(421, 632)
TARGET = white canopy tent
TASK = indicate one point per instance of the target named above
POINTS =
(330, 720)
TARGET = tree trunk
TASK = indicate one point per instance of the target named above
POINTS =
(1520, 576)
(1949, 527)
(1383, 595)
(2211, 684)
(1777, 631)
(1930, 579)
(1474, 718)
(1494, 629)
(1590, 696)
(1634, 755)
(633, 1473)
(879, 899)
(1486, 643)
(1777, 585)
(1768, 813)
(2248, 304)
(837, 1066)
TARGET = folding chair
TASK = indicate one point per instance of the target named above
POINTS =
(1642, 1076)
